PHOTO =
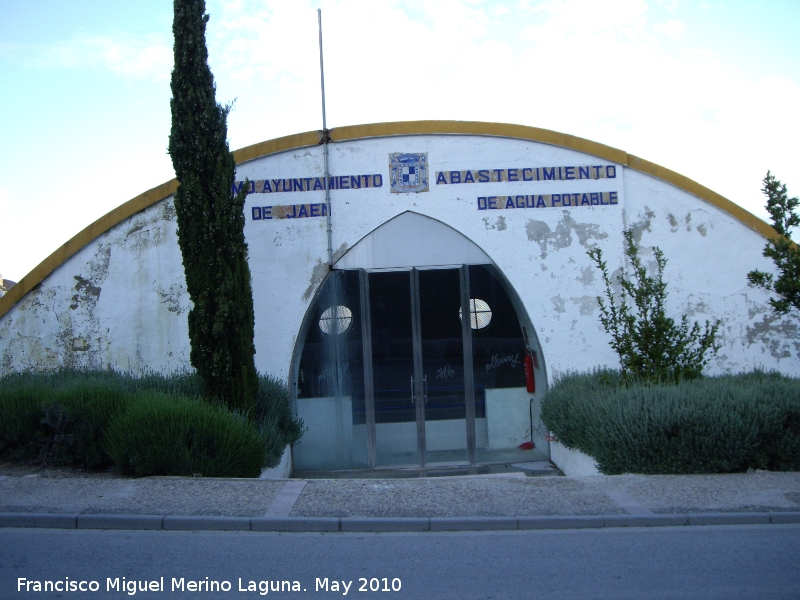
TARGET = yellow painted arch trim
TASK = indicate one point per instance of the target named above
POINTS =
(356, 132)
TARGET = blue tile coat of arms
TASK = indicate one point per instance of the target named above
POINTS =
(409, 172)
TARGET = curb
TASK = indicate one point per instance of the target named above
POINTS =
(573, 522)
(667, 520)
(101, 521)
(206, 523)
(473, 523)
(47, 520)
(313, 524)
(383, 524)
(726, 518)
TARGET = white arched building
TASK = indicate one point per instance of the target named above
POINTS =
(429, 220)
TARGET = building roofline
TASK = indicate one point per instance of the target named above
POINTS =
(377, 130)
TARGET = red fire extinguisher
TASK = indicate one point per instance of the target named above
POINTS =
(530, 380)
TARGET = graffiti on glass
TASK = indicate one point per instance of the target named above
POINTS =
(445, 372)
(511, 360)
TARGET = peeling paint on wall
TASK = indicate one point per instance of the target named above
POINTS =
(28, 352)
(673, 222)
(321, 269)
(337, 254)
(173, 297)
(587, 276)
(79, 338)
(86, 293)
(777, 334)
(167, 209)
(702, 228)
(586, 304)
(551, 241)
(64, 321)
(499, 223)
(642, 225)
(697, 307)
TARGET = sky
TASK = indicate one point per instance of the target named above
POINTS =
(708, 89)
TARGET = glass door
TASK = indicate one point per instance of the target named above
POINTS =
(418, 367)
(390, 309)
(442, 358)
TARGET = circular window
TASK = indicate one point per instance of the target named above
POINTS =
(335, 319)
(479, 312)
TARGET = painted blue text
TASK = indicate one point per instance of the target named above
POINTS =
(309, 184)
(527, 174)
(292, 211)
(547, 200)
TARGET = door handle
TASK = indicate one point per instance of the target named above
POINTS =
(412, 390)
(425, 388)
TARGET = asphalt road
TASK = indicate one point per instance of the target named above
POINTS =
(761, 561)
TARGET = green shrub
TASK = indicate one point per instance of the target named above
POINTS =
(184, 383)
(651, 346)
(20, 423)
(60, 426)
(75, 419)
(61, 417)
(710, 425)
(273, 416)
(173, 435)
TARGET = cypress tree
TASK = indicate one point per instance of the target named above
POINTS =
(210, 220)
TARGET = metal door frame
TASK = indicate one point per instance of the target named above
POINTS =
(418, 396)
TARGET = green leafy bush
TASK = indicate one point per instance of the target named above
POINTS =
(651, 346)
(75, 420)
(60, 426)
(711, 425)
(184, 383)
(175, 435)
(20, 421)
(274, 418)
(61, 417)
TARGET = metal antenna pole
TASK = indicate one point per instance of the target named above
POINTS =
(335, 331)
(325, 139)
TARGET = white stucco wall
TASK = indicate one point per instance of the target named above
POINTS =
(710, 254)
(122, 302)
(119, 302)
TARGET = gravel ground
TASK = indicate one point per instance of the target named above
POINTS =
(450, 497)
(761, 491)
(73, 491)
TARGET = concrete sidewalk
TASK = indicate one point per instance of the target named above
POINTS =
(482, 502)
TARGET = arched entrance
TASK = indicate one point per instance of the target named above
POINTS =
(390, 373)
